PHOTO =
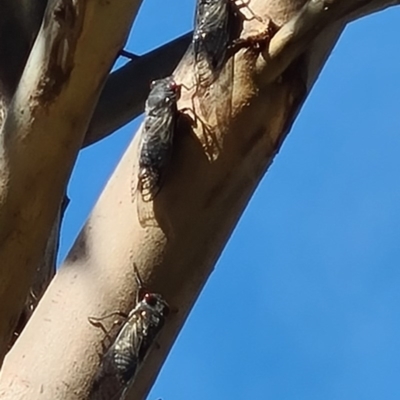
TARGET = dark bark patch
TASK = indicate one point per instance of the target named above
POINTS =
(61, 30)
(80, 250)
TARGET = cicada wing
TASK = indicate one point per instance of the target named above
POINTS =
(145, 209)
(212, 72)
(222, 93)
(108, 392)
(215, 103)
(144, 204)
(135, 335)
(107, 384)
(194, 75)
(180, 74)
(150, 175)
(120, 364)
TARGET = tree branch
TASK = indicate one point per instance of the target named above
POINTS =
(195, 213)
(43, 132)
(19, 24)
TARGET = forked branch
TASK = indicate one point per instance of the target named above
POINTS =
(195, 212)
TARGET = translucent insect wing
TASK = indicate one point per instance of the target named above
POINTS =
(147, 323)
(155, 147)
(125, 356)
(213, 71)
(210, 40)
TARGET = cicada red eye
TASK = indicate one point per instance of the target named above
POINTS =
(175, 87)
(150, 299)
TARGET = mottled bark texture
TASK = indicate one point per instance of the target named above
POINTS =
(45, 121)
(195, 212)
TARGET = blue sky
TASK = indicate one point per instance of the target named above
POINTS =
(304, 302)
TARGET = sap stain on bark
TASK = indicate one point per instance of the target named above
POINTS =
(61, 28)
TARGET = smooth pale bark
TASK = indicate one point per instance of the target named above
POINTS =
(195, 213)
(20, 21)
(43, 132)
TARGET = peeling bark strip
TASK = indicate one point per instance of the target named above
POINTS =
(63, 23)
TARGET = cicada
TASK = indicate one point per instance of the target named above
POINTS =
(122, 361)
(213, 69)
(216, 38)
(155, 143)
